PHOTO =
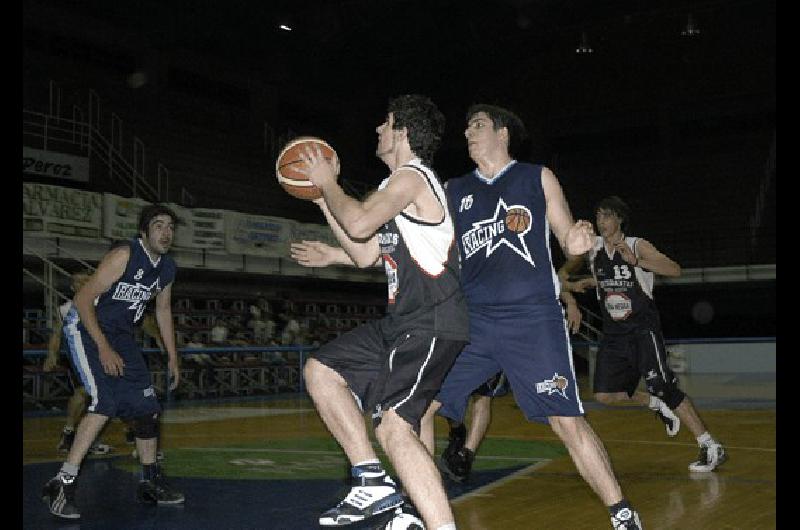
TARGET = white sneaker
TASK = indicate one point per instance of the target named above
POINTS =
(671, 421)
(368, 496)
(711, 457)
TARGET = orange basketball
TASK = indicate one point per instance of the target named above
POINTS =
(289, 162)
(518, 220)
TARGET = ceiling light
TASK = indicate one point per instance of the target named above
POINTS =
(691, 29)
(584, 47)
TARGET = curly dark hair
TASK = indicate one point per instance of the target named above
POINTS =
(153, 210)
(614, 204)
(422, 119)
(503, 118)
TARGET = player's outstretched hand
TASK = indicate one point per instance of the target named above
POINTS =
(312, 253)
(580, 238)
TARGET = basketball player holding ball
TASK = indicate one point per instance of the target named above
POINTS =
(392, 367)
(503, 212)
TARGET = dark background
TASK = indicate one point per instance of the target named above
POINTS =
(683, 128)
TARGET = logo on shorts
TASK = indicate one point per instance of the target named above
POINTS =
(149, 392)
(651, 375)
(557, 385)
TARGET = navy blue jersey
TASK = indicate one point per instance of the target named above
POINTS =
(421, 265)
(123, 305)
(625, 292)
(504, 239)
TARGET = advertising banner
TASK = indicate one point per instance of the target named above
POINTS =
(258, 235)
(60, 211)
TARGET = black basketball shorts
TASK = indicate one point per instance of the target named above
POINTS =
(623, 359)
(401, 373)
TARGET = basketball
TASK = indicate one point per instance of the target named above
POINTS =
(518, 220)
(289, 163)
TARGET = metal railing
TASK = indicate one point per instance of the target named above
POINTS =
(211, 372)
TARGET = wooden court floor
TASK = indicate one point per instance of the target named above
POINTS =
(548, 493)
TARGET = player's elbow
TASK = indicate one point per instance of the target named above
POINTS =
(361, 228)
(364, 262)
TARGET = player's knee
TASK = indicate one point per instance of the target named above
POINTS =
(669, 393)
(316, 374)
(146, 427)
(391, 428)
(433, 408)
(565, 427)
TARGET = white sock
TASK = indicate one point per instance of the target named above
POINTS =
(448, 526)
(367, 462)
(655, 403)
(69, 469)
(705, 439)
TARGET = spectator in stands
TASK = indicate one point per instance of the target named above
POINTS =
(291, 330)
(257, 326)
(219, 333)
(269, 329)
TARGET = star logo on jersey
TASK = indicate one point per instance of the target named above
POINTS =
(496, 231)
(557, 385)
(136, 293)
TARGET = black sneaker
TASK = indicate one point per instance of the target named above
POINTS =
(157, 491)
(130, 437)
(59, 495)
(626, 519)
(457, 438)
(368, 496)
(458, 465)
(65, 442)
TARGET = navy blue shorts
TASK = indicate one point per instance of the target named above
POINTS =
(128, 396)
(532, 347)
(496, 386)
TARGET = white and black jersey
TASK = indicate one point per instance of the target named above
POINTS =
(625, 292)
(421, 262)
